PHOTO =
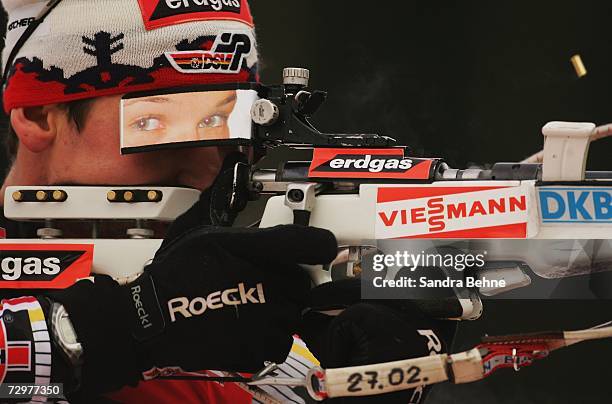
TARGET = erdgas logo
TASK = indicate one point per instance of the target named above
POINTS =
(216, 300)
(43, 266)
(373, 164)
(14, 267)
(164, 13)
(226, 55)
(168, 8)
(390, 162)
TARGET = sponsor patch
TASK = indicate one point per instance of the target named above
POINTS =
(241, 294)
(368, 163)
(44, 266)
(451, 212)
(160, 13)
(575, 204)
(26, 361)
(147, 311)
(15, 356)
(226, 55)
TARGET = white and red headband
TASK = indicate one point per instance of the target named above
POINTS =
(92, 48)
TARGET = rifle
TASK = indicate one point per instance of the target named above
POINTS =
(493, 353)
(362, 187)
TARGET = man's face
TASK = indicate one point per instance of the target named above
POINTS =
(92, 155)
(182, 117)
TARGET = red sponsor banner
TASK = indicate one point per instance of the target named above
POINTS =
(389, 163)
(451, 212)
(406, 193)
(44, 266)
(518, 230)
(161, 13)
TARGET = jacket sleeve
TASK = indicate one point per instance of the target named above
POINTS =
(28, 352)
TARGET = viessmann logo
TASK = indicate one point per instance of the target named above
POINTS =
(43, 266)
(368, 163)
(421, 212)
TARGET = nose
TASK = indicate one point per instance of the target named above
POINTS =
(197, 167)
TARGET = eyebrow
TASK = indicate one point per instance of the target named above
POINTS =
(227, 100)
(148, 99)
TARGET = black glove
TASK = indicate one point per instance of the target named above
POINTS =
(370, 332)
(213, 298)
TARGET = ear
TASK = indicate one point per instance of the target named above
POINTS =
(36, 127)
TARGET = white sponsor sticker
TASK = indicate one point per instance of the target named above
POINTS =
(452, 212)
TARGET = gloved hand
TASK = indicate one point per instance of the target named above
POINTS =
(213, 298)
(367, 332)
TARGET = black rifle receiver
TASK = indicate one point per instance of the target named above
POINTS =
(283, 116)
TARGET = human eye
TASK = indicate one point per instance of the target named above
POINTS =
(213, 121)
(147, 124)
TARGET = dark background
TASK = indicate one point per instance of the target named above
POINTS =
(473, 82)
(470, 81)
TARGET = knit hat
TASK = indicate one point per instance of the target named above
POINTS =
(92, 48)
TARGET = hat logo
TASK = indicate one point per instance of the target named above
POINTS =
(226, 55)
(171, 8)
(162, 13)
